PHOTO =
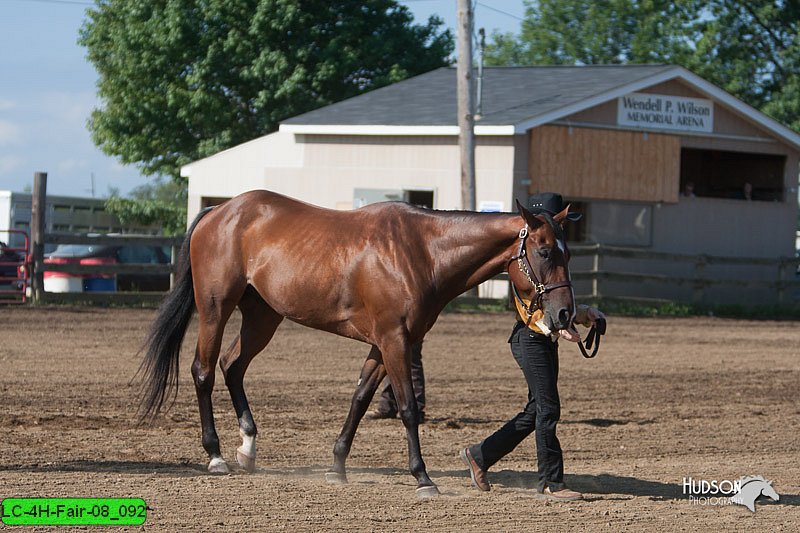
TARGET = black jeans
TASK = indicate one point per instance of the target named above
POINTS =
(388, 403)
(537, 356)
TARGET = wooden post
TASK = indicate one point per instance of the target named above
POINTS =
(173, 262)
(699, 275)
(596, 273)
(781, 278)
(38, 209)
(466, 119)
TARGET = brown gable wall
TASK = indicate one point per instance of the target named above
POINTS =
(725, 122)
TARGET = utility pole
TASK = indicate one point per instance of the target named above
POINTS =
(481, 51)
(466, 120)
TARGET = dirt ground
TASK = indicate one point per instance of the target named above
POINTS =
(665, 399)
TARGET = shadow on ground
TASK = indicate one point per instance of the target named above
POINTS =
(590, 485)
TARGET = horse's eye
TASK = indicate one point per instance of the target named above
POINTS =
(544, 253)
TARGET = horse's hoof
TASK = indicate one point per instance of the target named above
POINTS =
(427, 492)
(218, 466)
(245, 461)
(335, 478)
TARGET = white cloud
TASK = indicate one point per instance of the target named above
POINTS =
(9, 132)
(68, 165)
(10, 163)
(70, 108)
(6, 105)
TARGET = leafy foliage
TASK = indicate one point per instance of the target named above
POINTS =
(183, 79)
(750, 48)
(569, 32)
(161, 202)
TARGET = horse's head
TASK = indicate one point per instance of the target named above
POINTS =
(768, 491)
(543, 274)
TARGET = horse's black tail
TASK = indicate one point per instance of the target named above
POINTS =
(159, 369)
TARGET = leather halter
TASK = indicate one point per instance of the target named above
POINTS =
(595, 333)
(539, 288)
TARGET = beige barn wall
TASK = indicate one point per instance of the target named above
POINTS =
(339, 164)
(325, 169)
(242, 168)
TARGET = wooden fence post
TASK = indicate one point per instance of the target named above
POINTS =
(595, 273)
(38, 210)
(173, 261)
(699, 275)
(781, 277)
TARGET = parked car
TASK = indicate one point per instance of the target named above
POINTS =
(122, 255)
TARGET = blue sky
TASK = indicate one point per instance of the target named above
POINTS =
(47, 91)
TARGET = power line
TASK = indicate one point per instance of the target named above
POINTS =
(73, 2)
(500, 11)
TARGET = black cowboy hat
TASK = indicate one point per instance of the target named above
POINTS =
(550, 203)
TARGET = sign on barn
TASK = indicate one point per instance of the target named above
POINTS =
(665, 112)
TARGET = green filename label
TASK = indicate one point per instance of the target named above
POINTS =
(73, 511)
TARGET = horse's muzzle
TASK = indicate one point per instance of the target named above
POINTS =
(559, 320)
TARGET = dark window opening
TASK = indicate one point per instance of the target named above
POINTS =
(737, 175)
(420, 198)
(576, 231)
(210, 201)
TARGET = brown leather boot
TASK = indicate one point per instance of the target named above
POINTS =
(563, 495)
(475, 472)
(377, 414)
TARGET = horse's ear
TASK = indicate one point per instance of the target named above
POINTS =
(566, 216)
(562, 216)
(532, 221)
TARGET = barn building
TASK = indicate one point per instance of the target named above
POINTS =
(656, 158)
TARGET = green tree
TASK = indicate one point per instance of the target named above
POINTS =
(751, 49)
(159, 202)
(580, 32)
(182, 79)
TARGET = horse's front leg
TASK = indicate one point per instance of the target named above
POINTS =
(372, 373)
(397, 360)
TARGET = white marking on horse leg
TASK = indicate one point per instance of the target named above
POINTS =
(248, 446)
(246, 453)
(217, 465)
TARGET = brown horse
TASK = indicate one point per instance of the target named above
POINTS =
(380, 274)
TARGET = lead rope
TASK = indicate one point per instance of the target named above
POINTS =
(590, 337)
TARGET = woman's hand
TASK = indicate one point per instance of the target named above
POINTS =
(585, 316)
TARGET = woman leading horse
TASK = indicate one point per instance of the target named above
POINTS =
(380, 274)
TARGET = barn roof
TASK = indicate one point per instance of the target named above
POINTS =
(515, 99)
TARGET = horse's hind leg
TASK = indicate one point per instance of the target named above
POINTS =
(259, 322)
(212, 314)
(372, 373)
